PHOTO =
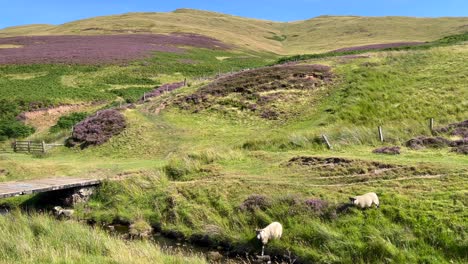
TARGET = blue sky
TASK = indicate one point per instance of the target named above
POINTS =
(20, 12)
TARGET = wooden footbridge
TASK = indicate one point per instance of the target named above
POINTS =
(10, 189)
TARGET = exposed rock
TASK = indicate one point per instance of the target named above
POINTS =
(214, 256)
(80, 195)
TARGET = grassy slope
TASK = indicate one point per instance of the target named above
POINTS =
(329, 33)
(191, 174)
(42, 239)
(55, 84)
(422, 214)
(314, 35)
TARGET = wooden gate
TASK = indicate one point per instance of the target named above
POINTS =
(29, 147)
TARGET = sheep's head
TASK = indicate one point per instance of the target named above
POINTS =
(353, 200)
(57, 208)
(261, 236)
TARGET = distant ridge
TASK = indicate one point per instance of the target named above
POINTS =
(319, 34)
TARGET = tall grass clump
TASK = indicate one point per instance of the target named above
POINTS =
(41, 239)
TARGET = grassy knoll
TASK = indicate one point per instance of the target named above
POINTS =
(318, 34)
(42, 239)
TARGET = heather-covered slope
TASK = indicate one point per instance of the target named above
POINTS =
(319, 34)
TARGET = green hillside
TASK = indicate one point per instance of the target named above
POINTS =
(241, 144)
(191, 167)
(315, 35)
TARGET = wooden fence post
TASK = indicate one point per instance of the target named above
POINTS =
(381, 137)
(327, 142)
(14, 146)
(43, 147)
(185, 81)
(29, 146)
(144, 96)
(431, 124)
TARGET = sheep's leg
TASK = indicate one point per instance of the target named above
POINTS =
(263, 250)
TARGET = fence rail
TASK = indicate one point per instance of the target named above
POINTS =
(32, 147)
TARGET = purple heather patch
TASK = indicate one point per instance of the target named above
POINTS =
(74, 49)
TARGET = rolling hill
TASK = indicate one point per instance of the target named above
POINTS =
(220, 138)
(318, 34)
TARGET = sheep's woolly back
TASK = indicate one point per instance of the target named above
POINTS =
(366, 200)
(272, 231)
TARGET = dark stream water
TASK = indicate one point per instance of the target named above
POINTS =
(174, 246)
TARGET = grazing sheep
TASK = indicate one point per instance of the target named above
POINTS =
(366, 200)
(272, 231)
(59, 212)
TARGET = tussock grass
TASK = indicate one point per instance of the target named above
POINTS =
(41, 239)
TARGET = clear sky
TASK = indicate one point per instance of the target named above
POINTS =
(20, 12)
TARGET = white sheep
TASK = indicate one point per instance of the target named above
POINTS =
(272, 231)
(366, 200)
(60, 212)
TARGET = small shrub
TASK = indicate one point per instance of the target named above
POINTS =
(388, 150)
(322, 208)
(316, 205)
(343, 208)
(68, 121)
(462, 149)
(255, 202)
(97, 129)
(455, 129)
(430, 142)
(290, 200)
(270, 114)
(14, 129)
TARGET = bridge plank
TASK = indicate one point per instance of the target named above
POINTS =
(10, 189)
